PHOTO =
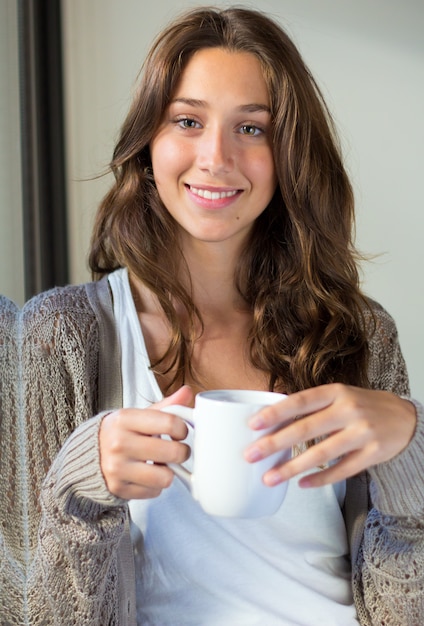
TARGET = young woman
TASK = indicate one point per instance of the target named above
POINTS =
(225, 247)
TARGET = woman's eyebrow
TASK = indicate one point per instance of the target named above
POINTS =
(248, 108)
(254, 107)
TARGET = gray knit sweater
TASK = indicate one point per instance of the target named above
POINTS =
(75, 565)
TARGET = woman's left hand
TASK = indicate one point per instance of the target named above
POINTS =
(360, 428)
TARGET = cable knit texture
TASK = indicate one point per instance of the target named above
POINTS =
(78, 561)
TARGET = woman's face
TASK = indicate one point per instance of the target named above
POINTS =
(212, 157)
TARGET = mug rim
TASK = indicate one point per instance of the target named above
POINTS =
(241, 396)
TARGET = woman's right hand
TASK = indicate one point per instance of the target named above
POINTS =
(133, 456)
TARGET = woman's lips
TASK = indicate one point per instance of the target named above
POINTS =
(212, 195)
(215, 198)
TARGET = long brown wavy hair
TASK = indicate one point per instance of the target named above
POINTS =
(298, 274)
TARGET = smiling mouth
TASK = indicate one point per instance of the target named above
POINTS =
(212, 195)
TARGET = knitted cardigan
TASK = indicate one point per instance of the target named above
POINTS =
(74, 540)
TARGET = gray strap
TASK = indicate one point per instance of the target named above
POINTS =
(111, 397)
(356, 509)
(110, 375)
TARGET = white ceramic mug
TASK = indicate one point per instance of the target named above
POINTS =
(223, 482)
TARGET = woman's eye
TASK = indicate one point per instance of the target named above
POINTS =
(187, 122)
(250, 130)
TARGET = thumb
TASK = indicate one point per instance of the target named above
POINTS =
(184, 396)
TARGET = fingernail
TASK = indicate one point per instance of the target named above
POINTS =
(253, 454)
(256, 422)
(272, 479)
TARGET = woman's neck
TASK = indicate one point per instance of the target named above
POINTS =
(211, 282)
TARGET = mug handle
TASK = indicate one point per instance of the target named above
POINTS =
(186, 414)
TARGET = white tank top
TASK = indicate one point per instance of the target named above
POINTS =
(290, 569)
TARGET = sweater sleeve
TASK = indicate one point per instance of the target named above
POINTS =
(77, 530)
(76, 565)
(389, 573)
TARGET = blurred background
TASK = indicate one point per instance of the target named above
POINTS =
(67, 72)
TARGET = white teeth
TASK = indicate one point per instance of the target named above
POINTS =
(212, 195)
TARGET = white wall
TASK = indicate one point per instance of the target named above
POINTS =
(11, 240)
(368, 57)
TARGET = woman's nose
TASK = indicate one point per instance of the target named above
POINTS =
(216, 153)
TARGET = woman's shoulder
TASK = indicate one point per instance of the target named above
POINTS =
(57, 298)
(387, 368)
(68, 301)
(48, 314)
(379, 322)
